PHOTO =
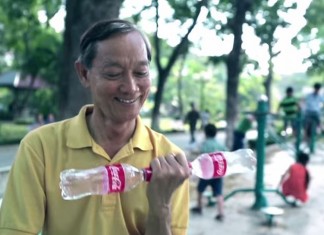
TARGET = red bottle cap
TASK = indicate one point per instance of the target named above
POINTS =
(147, 174)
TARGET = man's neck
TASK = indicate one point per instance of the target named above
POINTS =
(112, 136)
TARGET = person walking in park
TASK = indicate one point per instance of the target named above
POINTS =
(114, 65)
(192, 117)
(312, 108)
(39, 121)
(290, 107)
(244, 125)
(295, 181)
(210, 144)
(50, 118)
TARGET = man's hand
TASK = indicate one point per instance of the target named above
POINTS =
(169, 173)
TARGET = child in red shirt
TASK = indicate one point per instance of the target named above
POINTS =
(296, 180)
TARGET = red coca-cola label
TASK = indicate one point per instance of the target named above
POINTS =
(116, 178)
(220, 164)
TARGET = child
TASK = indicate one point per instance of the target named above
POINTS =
(211, 145)
(290, 107)
(296, 180)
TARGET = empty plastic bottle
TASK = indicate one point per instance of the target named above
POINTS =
(122, 177)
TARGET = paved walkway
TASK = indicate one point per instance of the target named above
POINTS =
(240, 219)
(7, 154)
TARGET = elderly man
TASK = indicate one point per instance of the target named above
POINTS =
(114, 65)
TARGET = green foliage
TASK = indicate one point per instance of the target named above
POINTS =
(12, 133)
(206, 93)
(34, 45)
(42, 101)
(184, 9)
(202, 83)
(268, 19)
(315, 18)
(43, 57)
(313, 31)
(6, 97)
(250, 90)
(51, 7)
(317, 61)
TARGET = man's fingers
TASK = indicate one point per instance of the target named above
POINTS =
(171, 164)
(182, 160)
(179, 164)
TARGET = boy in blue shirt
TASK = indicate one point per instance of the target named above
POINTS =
(211, 145)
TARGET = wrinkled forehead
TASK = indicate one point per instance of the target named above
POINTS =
(128, 47)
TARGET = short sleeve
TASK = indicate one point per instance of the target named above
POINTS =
(23, 205)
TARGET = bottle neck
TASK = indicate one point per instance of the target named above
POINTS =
(147, 174)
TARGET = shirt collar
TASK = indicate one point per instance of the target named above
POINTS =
(141, 138)
(78, 135)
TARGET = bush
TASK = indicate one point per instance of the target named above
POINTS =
(24, 121)
(11, 133)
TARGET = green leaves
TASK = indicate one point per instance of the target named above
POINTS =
(313, 33)
(33, 44)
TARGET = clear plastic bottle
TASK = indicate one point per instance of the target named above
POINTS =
(76, 184)
(219, 164)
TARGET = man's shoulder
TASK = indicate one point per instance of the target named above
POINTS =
(161, 141)
(48, 133)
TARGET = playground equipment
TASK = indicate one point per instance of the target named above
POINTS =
(300, 123)
(259, 190)
(271, 212)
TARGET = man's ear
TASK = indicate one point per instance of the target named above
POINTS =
(82, 72)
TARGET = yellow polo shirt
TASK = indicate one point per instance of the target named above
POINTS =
(33, 202)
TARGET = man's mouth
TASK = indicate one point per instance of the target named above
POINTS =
(126, 101)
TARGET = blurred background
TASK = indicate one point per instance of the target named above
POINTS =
(220, 54)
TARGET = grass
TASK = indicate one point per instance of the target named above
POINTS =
(11, 133)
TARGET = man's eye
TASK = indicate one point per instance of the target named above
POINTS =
(141, 73)
(111, 75)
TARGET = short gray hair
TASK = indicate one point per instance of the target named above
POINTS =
(103, 30)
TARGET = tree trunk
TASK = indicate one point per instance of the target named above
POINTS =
(25, 96)
(267, 86)
(79, 16)
(268, 81)
(163, 72)
(179, 84)
(163, 75)
(234, 68)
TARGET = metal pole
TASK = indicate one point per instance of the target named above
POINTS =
(313, 136)
(298, 132)
(260, 200)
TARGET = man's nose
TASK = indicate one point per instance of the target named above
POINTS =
(129, 83)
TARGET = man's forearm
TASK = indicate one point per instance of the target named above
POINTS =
(159, 223)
